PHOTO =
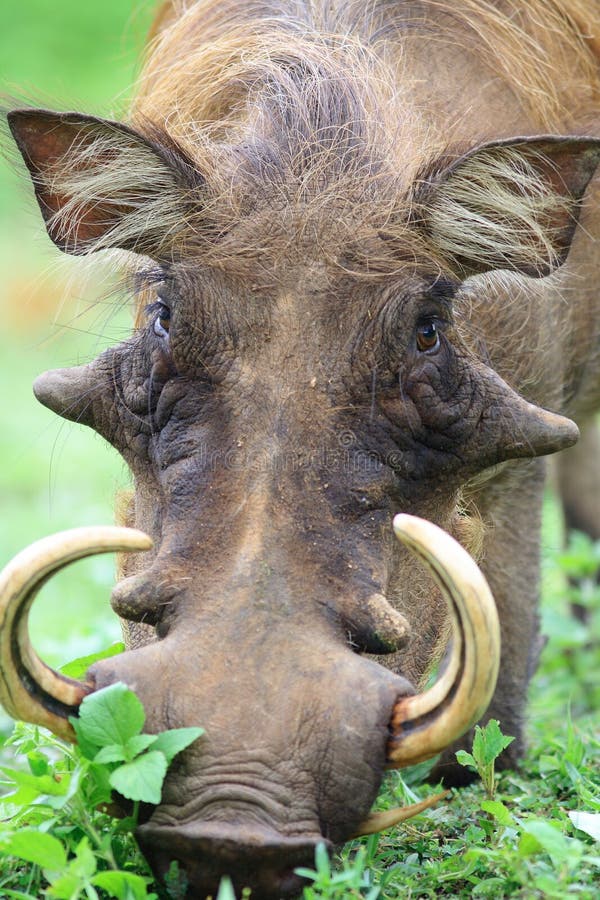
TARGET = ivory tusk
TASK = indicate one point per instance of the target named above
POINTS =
(424, 724)
(377, 822)
(29, 689)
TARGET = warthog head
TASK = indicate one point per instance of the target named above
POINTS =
(280, 400)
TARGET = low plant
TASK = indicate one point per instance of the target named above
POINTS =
(488, 744)
(58, 813)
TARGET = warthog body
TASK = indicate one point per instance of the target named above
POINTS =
(357, 257)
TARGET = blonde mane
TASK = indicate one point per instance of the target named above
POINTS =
(546, 51)
(309, 124)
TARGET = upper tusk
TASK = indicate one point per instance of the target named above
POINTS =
(29, 689)
(424, 724)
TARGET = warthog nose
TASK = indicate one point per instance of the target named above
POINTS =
(252, 856)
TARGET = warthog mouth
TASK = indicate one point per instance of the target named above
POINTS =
(261, 858)
(256, 853)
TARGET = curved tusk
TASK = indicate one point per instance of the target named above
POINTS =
(377, 822)
(29, 689)
(424, 724)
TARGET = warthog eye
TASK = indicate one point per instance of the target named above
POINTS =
(428, 338)
(162, 322)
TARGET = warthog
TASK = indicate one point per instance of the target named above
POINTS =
(360, 287)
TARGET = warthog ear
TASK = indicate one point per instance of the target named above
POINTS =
(102, 184)
(511, 204)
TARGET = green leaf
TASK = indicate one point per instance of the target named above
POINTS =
(138, 743)
(528, 845)
(490, 887)
(76, 879)
(112, 753)
(38, 762)
(23, 796)
(85, 747)
(226, 891)
(122, 885)
(493, 741)
(43, 784)
(499, 811)
(39, 848)
(306, 873)
(557, 846)
(141, 779)
(177, 739)
(84, 865)
(478, 747)
(322, 861)
(98, 789)
(67, 887)
(17, 895)
(77, 668)
(465, 759)
(112, 715)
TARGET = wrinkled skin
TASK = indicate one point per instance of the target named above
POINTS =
(274, 421)
(280, 500)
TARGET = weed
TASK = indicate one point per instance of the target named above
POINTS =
(488, 744)
(57, 815)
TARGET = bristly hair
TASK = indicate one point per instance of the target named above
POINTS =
(307, 123)
(313, 104)
(547, 51)
(138, 201)
(498, 204)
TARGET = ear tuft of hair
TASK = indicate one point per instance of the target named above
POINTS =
(101, 184)
(507, 205)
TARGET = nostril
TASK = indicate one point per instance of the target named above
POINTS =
(253, 857)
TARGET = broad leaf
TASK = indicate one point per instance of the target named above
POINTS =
(492, 743)
(101, 790)
(141, 779)
(465, 759)
(122, 885)
(177, 739)
(37, 847)
(112, 715)
(38, 762)
(499, 811)
(138, 743)
(67, 887)
(84, 865)
(77, 668)
(112, 753)
(559, 848)
(43, 784)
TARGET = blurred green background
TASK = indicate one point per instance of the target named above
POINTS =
(54, 474)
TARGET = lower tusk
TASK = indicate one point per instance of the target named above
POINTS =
(377, 822)
(425, 724)
(29, 689)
